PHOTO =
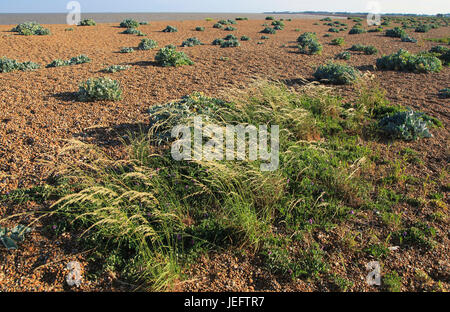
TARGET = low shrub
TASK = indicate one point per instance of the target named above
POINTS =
(357, 31)
(403, 60)
(264, 38)
(31, 28)
(169, 56)
(170, 29)
(444, 93)
(133, 31)
(333, 30)
(116, 68)
(396, 32)
(230, 28)
(245, 38)
(270, 18)
(129, 23)
(100, 89)
(199, 28)
(268, 30)
(218, 26)
(76, 60)
(368, 50)
(441, 52)
(279, 24)
(241, 18)
(408, 126)
(230, 43)
(58, 63)
(337, 73)
(338, 41)
(218, 41)
(143, 23)
(9, 65)
(309, 44)
(378, 29)
(344, 56)
(126, 50)
(407, 38)
(87, 22)
(147, 44)
(191, 42)
(423, 28)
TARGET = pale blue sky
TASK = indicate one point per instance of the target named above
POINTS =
(248, 6)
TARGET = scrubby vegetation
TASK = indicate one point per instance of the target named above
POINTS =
(199, 28)
(133, 31)
(269, 30)
(116, 68)
(31, 28)
(407, 125)
(126, 50)
(80, 59)
(129, 23)
(169, 56)
(445, 93)
(403, 60)
(396, 32)
(170, 29)
(368, 50)
(100, 89)
(344, 56)
(309, 44)
(8, 65)
(147, 44)
(337, 73)
(338, 41)
(191, 42)
(87, 22)
(357, 31)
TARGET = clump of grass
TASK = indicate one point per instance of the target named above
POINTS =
(8, 65)
(368, 50)
(169, 56)
(126, 50)
(396, 32)
(170, 29)
(191, 42)
(393, 282)
(31, 28)
(87, 22)
(338, 41)
(403, 60)
(116, 68)
(309, 44)
(344, 56)
(129, 23)
(147, 44)
(337, 73)
(100, 89)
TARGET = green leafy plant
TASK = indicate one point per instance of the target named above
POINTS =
(31, 28)
(338, 41)
(169, 56)
(100, 89)
(230, 28)
(87, 22)
(8, 65)
(424, 28)
(357, 31)
(408, 126)
(396, 32)
(445, 93)
(393, 282)
(403, 60)
(407, 38)
(191, 42)
(170, 29)
(268, 30)
(200, 28)
(147, 44)
(133, 31)
(333, 30)
(344, 56)
(337, 73)
(126, 50)
(368, 50)
(245, 38)
(116, 68)
(10, 238)
(218, 26)
(309, 44)
(129, 23)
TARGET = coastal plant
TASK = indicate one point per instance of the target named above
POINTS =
(344, 56)
(8, 65)
(191, 42)
(338, 41)
(147, 44)
(31, 28)
(169, 56)
(337, 73)
(245, 38)
(357, 31)
(407, 38)
(79, 59)
(10, 238)
(129, 23)
(269, 30)
(395, 32)
(170, 29)
(116, 68)
(376, 30)
(368, 50)
(126, 50)
(230, 43)
(133, 31)
(100, 89)
(87, 22)
(333, 30)
(404, 60)
(218, 26)
(424, 28)
(199, 28)
(230, 28)
(308, 44)
(408, 126)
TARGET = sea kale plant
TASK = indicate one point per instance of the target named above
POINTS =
(408, 126)
(396, 32)
(338, 41)
(147, 44)
(368, 50)
(356, 31)
(129, 23)
(87, 22)
(170, 29)
(337, 73)
(405, 61)
(100, 89)
(344, 56)
(116, 68)
(8, 65)
(191, 42)
(308, 44)
(169, 56)
(31, 28)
